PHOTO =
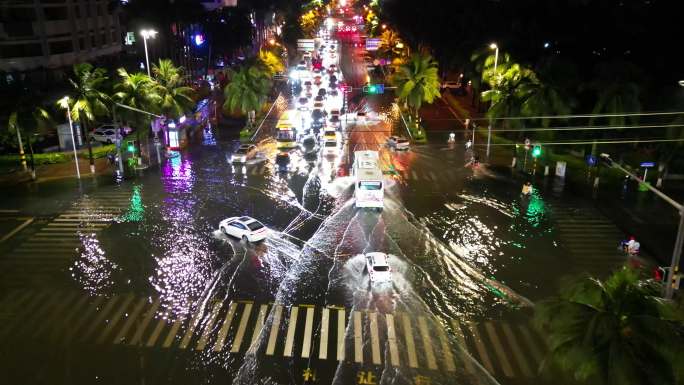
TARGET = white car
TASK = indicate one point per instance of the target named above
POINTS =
(378, 267)
(104, 134)
(245, 228)
(330, 147)
(398, 142)
(244, 153)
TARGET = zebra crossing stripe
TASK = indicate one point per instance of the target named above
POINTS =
(156, 332)
(410, 343)
(341, 315)
(534, 348)
(392, 340)
(462, 344)
(275, 328)
(208, 328)
(308, 328)
(223, 333)
(522, 362)
(427, 343)
(115, 319)
(291, 326)
(66, 320)
(261, 320)
(358, 343)
(47, 320)
(446, 350)
(194, 321)
(137, 336)
(237, 342)
(375, 339)
(498, 350)
(81, 321)
(129, 321)
(100, 317)
(323, 343)
(479, 345)
(172, 333)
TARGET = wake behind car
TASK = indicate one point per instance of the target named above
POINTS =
(378, 267)
(246, 228)
(244, 153)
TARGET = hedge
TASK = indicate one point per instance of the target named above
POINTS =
(56, 157)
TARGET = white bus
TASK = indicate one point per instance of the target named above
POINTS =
(368, 185)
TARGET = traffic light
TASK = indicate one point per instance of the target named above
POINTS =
(374, 89)
(536, 151)
(130, 146)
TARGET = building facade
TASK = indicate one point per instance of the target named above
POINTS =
(36, 35)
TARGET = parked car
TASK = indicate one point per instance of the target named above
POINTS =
(378, 267)
(246, 228)
(244, 153)
(398, 142)
(104, 134)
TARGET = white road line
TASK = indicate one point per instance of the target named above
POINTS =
(16, 230)
(446, 349)
(75, 309)
(392, 340)
(172, 333)
(410, 343)
(375, 339)
(47, 319)
(358, 343)
(464, 348)
(275, 328)
(129, 321)
(237, 342)
(115, 318)
(517, 352)
(427, 343)
(291, 326)
(531, 344)
(194, 321)
(261, 319)
(481, 351)
(308, 328)
(137, 336)
(100, 317)
(84, 316)
(204, 337)
(218, 346)
(414, 175)
(323, 346)
(156, 332)
(498, 349)
(341, 315)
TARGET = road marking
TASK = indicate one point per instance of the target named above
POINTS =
(16, 230)
(146, 321)
(218, 346)
(81, 321)
(479, 345)
(156, 332)
(433, 176)
(522, 362)
(194, 321)
(275, 328)
(49, 316)
(323, 346)
(498, 349)
(291, 326)
(237, 342)
(414, 176)
(116, 317)
(410, 343)
(204, 338)
(427, 343)
(100, 317)
(261, 319)
(129, 321)
(358, 343)
(172, 333)
(66, 320)
(308, 326)
(375, 339)
(530, 343)
(446, 349)
(341, 315)
(392, 340)
(462, 345)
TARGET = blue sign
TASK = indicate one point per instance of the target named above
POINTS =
(591, 160)
(647, 164)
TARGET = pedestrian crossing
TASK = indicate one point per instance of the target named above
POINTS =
(589, 238)
(400, 339)
(53, 246)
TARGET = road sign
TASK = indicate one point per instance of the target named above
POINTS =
(647, 164)
(372, 44)
(527, 144)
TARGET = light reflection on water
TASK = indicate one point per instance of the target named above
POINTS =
(93, 270)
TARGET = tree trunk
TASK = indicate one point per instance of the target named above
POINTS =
(90, 147)
(21, 150)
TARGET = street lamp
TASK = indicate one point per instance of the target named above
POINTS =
(147, 34)
(496, 61)
(679, 242)
(65, 102)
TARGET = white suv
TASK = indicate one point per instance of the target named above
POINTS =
(378, 267)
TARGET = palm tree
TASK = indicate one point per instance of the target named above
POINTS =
(30, 117)
(247, 91)
(270, 62)
(417, 81)
(175, 98)
(613, 332)
(617, 91)
(389, 40)
(88, 99)
(506, 89)
(137, 91)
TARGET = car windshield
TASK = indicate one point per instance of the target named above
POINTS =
(370, 185)
(242, 150)
(330, 144)
(381, 268)
(256, 225)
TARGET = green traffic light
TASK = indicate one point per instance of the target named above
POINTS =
(131, 147)
(372, 89)
(536, 151)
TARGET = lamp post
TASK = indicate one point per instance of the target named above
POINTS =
(496, 62)
(679, 242)
(147, 34)
(64, 102)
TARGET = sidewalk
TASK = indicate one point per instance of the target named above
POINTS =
(49, 172)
